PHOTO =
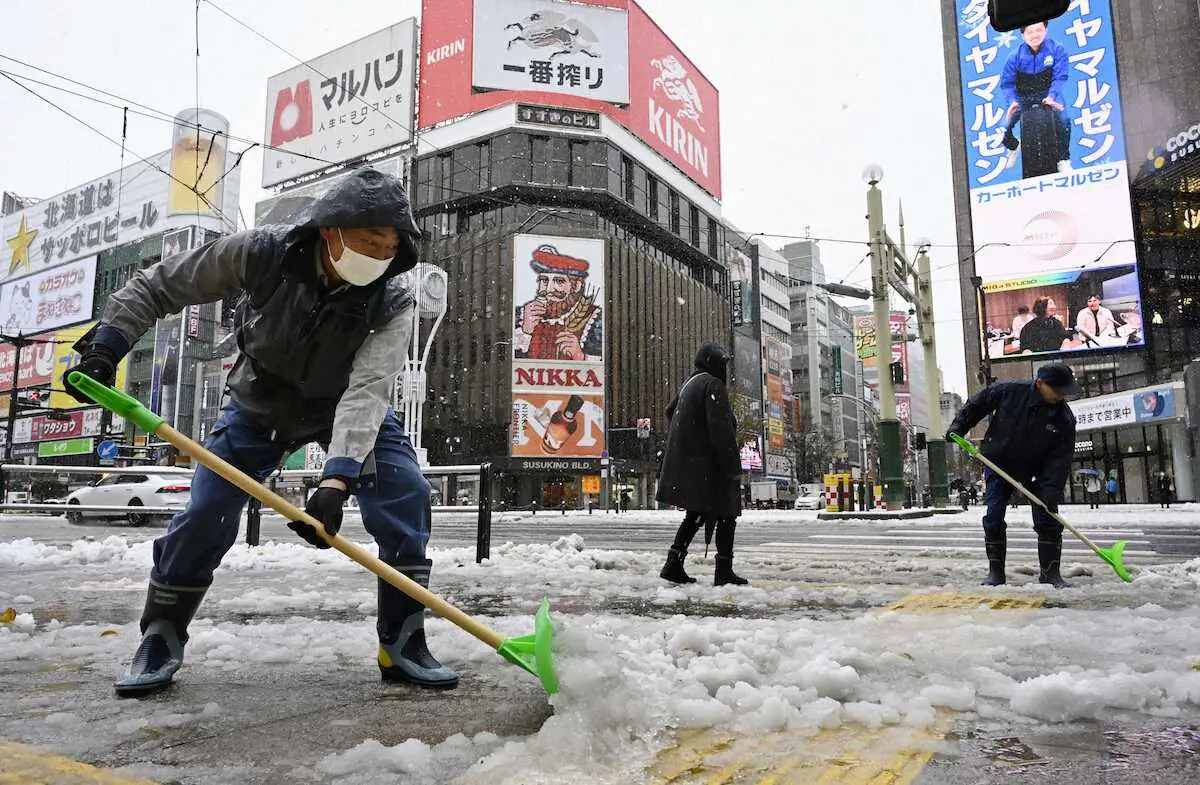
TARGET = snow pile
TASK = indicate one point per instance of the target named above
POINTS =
(416, 761)
(640, 660)
(111, 550)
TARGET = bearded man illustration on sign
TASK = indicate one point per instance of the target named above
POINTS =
(563, 322)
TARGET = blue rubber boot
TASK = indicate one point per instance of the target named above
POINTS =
(168, 611)
(403, 654)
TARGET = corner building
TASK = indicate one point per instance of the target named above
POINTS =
(592, 221)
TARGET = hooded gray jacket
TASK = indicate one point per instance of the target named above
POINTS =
(314, 365)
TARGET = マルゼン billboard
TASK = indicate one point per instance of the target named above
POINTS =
(1048, 180)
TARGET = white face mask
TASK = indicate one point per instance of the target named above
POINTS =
(357, 268)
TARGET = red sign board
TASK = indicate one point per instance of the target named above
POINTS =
(37, 364)
(672, 107)
(45, 429)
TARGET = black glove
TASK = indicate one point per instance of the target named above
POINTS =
(326, 506)
(950, 434)
(98, 362)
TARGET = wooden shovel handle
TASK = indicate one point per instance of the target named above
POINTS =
(353, 550)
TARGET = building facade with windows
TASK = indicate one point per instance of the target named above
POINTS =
(62, 258)
(1120, 224)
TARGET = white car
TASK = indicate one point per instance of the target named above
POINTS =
(131, 490)
(810, 501)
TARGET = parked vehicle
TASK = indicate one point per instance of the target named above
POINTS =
(810, 499)
(130, 490)
(772, 494)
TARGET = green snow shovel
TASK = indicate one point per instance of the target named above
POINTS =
(531, 652)
(1111, 555)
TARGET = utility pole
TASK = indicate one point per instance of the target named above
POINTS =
(936, 443)
(891, 466)
(19, 342)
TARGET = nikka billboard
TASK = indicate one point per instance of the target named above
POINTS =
(570, 55)
(558, 347)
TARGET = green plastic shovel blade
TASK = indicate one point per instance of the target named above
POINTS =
(1113, 557)
(534, 652)
(963, 443)
(116, 402)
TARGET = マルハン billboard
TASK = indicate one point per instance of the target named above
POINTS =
(342, 105)
(468, 65)
(558, 347)
(1048, 183)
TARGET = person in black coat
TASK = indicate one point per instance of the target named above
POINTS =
(1043, 333)
(701, 467)
(1032, 437)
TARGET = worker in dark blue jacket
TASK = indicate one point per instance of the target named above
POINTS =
(1032, 437)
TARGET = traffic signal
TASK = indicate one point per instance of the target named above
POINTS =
(35, 398)
(897, 372)
(1013, 14)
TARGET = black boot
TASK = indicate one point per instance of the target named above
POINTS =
(673, 570)
(403, 655)
(168, 611)
(724, 573)
(996, 551)
(1050, 558)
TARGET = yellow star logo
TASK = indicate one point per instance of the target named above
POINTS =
(19, 243)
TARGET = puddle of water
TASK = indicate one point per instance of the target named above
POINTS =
(1129, 748)
(1011, 751)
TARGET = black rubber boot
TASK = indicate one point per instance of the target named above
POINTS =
(673, 570)
(996, 551)
(1050, 559)
(168, 611)
(724, 573)
(403, 654)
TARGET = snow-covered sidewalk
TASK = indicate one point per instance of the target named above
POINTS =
(807, 647)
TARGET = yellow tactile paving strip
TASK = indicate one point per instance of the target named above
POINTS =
(958, 602)
(844, 756)
(24, 765)
(848, 755)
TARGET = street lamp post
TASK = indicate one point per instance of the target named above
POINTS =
(891, 464)
(428, 284)
(935, 445)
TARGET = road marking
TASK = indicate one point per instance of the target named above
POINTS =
(1079, 550)
(968, 538)
(24, 765)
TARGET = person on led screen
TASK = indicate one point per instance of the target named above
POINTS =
(1037, 73)
(1022, 318)
(1044, 333)
(1095, 319)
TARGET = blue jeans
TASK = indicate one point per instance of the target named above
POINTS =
(996, 495)
(394, 500)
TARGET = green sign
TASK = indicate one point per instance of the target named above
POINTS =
(295, 460)
(66, 447)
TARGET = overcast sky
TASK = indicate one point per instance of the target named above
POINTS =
(807, 100)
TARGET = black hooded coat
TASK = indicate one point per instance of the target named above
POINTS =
(701, 465)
